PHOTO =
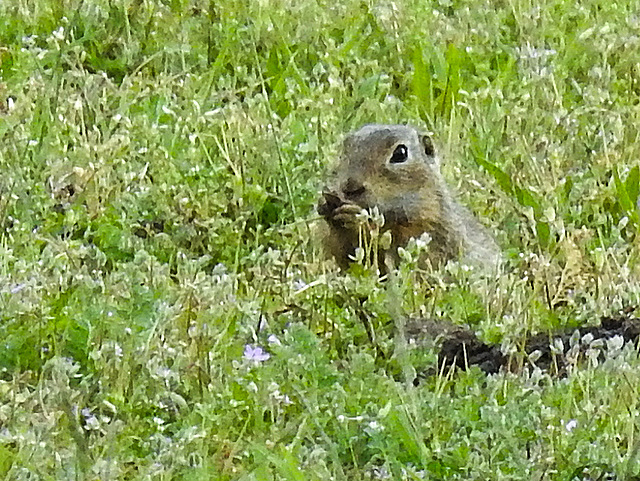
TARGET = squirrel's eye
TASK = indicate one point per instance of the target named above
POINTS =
(399, 155)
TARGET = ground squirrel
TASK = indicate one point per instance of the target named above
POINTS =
(395, 168)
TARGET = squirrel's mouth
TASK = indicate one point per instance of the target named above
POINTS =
(331, 200)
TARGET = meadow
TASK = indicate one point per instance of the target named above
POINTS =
(166, 312)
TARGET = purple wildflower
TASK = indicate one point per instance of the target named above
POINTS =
(256, 354)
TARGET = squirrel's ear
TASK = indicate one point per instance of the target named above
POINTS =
(427, 145)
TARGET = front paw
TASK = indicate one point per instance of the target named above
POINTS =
(348, 215)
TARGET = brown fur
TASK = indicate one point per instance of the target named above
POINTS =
(394, 168)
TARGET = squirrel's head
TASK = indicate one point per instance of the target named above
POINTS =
(386, 165)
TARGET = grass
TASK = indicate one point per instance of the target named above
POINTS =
(164, 311)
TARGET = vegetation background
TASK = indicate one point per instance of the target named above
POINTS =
(164, 312)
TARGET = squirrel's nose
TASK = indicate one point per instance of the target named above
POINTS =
(353, 187)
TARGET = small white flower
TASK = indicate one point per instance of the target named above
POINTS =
(423, 241)
(615, 343)
(535, 355)
(571, 425)
(587, 338)
(281, 398)
(90, 421)
(381, 473)
(557, 346)
(375, 426)
(29, 41)
(58, 34)
(299, 284)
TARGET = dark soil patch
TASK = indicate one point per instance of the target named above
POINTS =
(461, 348)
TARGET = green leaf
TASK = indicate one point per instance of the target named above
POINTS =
(527, 199)
(631, 185)
(543, 233)
(403, 430)
(621, 192)
(502, 178)
(6, 460)
(452, 81)
(368, 88)
(285, 463)
(421, 83)
(568, 186)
